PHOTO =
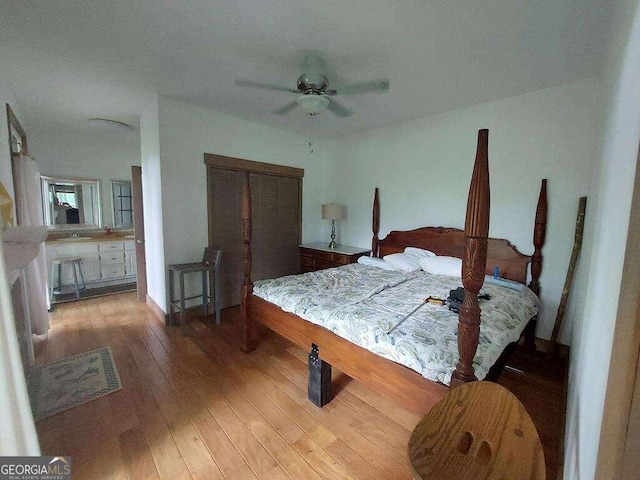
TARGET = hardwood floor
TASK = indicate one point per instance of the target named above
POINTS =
(542, 389)
(196, 407)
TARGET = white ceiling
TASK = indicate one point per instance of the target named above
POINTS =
(65, 61)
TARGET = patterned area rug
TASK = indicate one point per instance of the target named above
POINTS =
(72, 381)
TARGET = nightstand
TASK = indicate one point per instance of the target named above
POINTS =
(317, 256)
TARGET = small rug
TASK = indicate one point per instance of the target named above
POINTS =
(72, 381)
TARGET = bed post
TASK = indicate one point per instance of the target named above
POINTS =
(375, 224)
(476, 230)
(248, 342)
(539, 234)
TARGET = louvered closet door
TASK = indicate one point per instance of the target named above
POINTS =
(275, 205)
(275, 202)
(226, 230)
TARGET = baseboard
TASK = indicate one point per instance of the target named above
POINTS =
(155, 308)
(190, 314)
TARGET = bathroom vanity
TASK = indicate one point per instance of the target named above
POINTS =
(107, 259)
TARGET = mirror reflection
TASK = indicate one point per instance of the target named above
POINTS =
(71, 202)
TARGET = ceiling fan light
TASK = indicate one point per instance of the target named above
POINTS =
(313, 104)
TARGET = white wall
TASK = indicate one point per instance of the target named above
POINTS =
(103, 155)
(186, 132)
(152, 202)
(423, 168)
(606, 233)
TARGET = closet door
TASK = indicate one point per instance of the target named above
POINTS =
(275, 205)
(225, 230)
(276, 214)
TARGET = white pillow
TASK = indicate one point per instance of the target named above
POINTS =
(403, 262)
(375, 262)
(441, 265)
(419, 252)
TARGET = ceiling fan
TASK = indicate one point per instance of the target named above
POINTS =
(314, 92)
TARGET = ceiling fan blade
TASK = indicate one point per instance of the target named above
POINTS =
(364, 87)
(286, 108)
(264, 86)
(338, 109)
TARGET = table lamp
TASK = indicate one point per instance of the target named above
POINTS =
(333, 212)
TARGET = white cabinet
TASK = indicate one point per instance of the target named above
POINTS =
(107, 261)
(91, 266)
(130, 258)
(112, 271)
(111, 246)
(90, 260)
(130, 262)
(111, 260)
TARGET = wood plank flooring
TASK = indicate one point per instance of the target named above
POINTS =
(195, 407)
(542, 389)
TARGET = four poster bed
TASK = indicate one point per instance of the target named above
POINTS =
(479, 254)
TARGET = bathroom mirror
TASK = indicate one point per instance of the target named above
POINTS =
(122, 204)
(71, 202)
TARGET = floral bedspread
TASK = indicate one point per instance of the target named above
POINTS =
(361, 303)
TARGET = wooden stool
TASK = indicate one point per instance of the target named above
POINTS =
(77, 268)
(478, 431)
(209, 265)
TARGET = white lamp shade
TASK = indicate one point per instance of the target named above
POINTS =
(313, 104)
(333, 211)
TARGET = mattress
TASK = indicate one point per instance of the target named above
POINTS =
(361, 303)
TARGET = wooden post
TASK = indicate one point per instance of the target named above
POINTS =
(539, 235)
(375, 225)
(577, 245)
(319, 379)
(476, 230)
(248, 342)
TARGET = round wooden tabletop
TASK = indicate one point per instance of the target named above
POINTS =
(480, 431)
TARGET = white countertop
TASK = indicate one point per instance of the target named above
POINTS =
(98, 238)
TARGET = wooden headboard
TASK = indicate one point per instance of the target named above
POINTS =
(450, 241)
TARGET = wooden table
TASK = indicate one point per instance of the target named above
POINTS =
(478, 431)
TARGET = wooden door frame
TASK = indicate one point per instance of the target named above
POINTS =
(13, 122)
(624, 354)
(630, 460)
(138, 222)
(242, 165)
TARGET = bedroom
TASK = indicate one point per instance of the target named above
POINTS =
(563, 120)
